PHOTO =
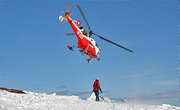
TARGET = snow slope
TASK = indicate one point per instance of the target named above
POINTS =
(102, 99)
(42, 101)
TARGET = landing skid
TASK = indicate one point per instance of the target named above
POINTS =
(98, 59)
(70, 48)
(88, 60)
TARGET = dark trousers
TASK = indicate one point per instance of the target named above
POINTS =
(97, 94)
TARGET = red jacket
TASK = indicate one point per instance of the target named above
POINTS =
(96, 85)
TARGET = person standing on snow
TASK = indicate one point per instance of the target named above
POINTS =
(96, 88)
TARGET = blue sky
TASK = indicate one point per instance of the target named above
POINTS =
(34, 56)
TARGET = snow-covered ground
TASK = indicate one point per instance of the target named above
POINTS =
(42, 101)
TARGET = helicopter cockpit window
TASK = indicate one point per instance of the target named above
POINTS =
(99, 51)
(97, 45)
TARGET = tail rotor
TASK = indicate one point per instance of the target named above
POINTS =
(64, 19)
(71, 14)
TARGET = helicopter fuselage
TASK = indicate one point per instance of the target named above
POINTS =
(86, 44)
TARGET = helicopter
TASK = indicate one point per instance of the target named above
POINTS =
(86, 44)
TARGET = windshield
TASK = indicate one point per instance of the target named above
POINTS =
(99, 51)
(97, 46)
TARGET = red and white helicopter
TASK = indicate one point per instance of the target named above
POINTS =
(86, 44)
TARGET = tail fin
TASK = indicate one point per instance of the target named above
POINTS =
(62, 19)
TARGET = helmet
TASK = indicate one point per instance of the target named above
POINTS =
(97, 79)
(81, 28)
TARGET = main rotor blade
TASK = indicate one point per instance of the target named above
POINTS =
(83, 16)
(113, 43)
(69, 34)
(68, 8)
